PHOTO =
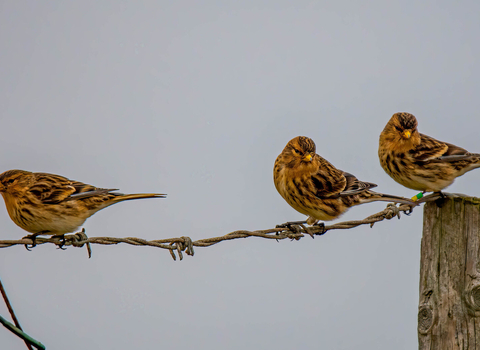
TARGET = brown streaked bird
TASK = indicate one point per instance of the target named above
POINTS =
(314, 187)
(48, 204)
(419, 161)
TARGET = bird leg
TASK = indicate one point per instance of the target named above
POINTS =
(418, 196)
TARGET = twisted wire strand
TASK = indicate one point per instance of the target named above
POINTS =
(185, 244)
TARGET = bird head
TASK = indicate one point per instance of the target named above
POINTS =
(402, 128)
(13, 180)
(299, 151)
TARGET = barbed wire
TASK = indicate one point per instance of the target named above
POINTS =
(293, 231)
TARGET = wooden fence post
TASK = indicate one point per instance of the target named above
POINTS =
(449, 304)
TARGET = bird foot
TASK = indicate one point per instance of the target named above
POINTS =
(33, 237)
(62, 241)
(322, 226)
(294, 226)
(299, 227)
(409, 211)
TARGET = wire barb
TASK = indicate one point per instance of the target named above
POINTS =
(185, 244)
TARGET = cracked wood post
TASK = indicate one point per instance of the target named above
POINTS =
(449, 304)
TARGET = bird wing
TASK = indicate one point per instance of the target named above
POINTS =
(428, 149)
(96, 192)
(455, 153)
(328, 181)
(52, 189)
(455, 150)
(332, 182)
(355, 186)
(432, 149)
(84, 191)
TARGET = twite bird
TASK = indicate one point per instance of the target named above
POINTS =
(314, 187)
(48, 204)
(419, 161)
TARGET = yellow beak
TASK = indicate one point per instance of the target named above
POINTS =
(308, 157)
(406, 134)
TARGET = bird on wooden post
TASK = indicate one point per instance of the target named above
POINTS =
(418, 161)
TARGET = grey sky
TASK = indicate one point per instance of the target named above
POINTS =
(197, 99)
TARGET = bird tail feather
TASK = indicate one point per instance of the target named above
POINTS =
(381, 197)
(126, 197)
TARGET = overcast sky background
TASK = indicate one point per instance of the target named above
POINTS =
(197, 99)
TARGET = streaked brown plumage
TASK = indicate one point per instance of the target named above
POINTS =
(314, 187)
(419, 161)
(48, 204)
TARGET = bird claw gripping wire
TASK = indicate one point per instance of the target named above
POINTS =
(62, 241)
(322, 226)
(408, 211)
(33, 238)
(183, 244)
(309, 230)
(293, 226)
(299, 227)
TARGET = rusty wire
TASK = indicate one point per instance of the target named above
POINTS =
(185, 244)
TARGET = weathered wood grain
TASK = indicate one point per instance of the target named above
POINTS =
(449, 303)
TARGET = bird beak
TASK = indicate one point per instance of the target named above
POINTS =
(308, 157)
(406, 134)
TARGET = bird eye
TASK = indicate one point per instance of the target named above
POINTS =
(296, 151)
(398, 128)
(9, 181)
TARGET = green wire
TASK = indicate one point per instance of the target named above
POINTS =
(21, 334)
